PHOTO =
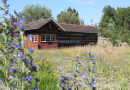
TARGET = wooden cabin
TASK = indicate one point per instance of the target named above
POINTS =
(47, 33)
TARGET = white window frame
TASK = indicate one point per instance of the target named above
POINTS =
(45, 37)
(34, 37)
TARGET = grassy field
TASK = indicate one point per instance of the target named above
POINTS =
(112, 65)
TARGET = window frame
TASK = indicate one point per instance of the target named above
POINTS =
(45, 37)
(32, 37)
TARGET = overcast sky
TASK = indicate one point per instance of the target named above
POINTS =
(88, 9)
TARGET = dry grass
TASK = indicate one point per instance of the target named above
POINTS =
(113, 63)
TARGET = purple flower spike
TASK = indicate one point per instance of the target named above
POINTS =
(28, 62)
(28, 78)
(20, 27)
(35, 67)
(5, 1)
(24, 20)
(7, 5)
(7, 11)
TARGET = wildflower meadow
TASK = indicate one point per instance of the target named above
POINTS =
(74, 68)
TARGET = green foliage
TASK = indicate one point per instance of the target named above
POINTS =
(36, 12)
(70, 16)
(112, 32)
(96, 26)
(108, 12)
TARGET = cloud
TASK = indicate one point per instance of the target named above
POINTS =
(84, 1)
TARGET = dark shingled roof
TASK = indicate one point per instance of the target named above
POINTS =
(36, 24)
(67, 27)
(79, 28)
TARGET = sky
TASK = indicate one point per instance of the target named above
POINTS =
(87, 9)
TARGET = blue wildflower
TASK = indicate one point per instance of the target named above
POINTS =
(7, 54)
(94, 88)
(37, 80)
(28, 78)
(20, 27)
(93, 79)
(87, 62)
(11, 77)
(5, 1)
(9, 34)
(63, 87)
(28, 62)
(91, 83)
(95, 75)
(84, 84)
(16, 62)
(21, 56)
(8, 43)
(7, 11)
(11, 87)
(7, 5)
(31, 49)
(34, 67)
(10, 64)
(29, 36)
(1, 80)
(10, 23)
(74, 75)
(24, 20)
(16, 46)
(16, 34)
(11, 70)
(85, 73)
(93, 60)
(88, 67)
(69, 88)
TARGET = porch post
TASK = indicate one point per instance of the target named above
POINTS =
(38, 39)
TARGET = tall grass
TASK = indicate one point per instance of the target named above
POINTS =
(112, 65)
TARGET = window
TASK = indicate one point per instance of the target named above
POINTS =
(47, 37)
(35, 38)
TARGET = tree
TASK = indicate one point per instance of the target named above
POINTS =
(36, 12)
(95, 25)
(70, 16)
(112, 32)
(108, 12)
